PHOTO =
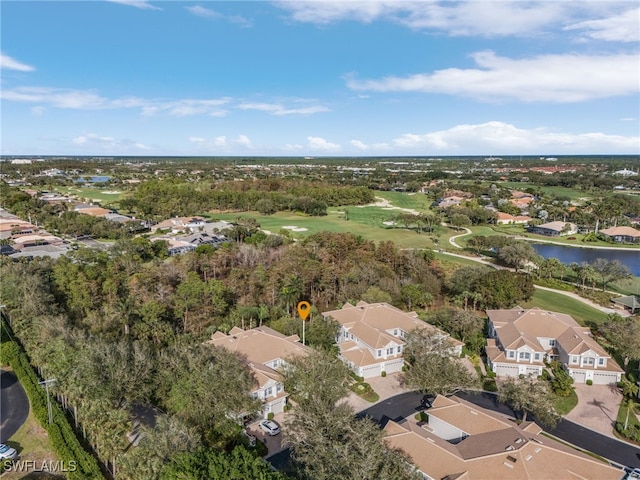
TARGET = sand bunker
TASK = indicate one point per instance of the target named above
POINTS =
(294, 228)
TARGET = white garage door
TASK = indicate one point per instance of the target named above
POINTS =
(601, 378)
(535, 371)
(394, 366)
(370, 371)
(579, 377)
(507, 370)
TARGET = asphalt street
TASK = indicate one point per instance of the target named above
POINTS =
(407, 404)
(14, 405)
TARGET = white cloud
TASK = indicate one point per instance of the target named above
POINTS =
(56, 97)
(220, 141)
(89, 100)
(358, 145)
(141, 4)
(546, 78)
(486, 18)
(92, 142)
(203, 12)
(196, 139)
(212, 14)
(9, 63)
(503, 138)
(38, 111)
(244, 141)
(280, 110)
(319, 143)
(624, 27)
(292, 147)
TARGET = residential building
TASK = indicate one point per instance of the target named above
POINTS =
(371, 337)
(266, 352)
(464, 441)
(622, 234)
(508, 219)
(521, 341)
(180, 224)
(554, 229)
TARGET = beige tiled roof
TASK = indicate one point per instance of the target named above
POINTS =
(507, 453)
(624, 231)
(259, 345)
(371, 322)
(381, 316)
(359, 356)
(518, 324)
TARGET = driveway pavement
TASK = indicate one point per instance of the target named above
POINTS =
(14, 405)
(385, 387)
(597, 407)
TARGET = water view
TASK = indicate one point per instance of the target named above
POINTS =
(567, 255)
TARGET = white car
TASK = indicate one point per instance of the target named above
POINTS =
(270, 427)
(7, 453)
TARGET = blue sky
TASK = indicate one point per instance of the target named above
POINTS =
(425, 78)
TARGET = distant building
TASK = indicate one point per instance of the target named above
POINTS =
(626, 173)
(508, 219)
(554, 229)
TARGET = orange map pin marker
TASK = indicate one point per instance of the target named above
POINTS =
(304, 309)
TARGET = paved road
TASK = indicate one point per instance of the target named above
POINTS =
(14, 405)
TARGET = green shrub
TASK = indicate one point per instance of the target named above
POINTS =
(489, 384)
(589, 382)
(383, 374)
(62, 437)
(270, 416)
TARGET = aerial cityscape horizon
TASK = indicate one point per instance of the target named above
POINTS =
(112, 78)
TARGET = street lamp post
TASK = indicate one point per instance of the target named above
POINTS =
(46, 387)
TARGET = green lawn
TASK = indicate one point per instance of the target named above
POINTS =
(556, 302)
(564, 405)
(101, 195)
(367, 221)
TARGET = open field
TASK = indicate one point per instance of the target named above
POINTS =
(371, 222)
(582, 313)
(105, 195)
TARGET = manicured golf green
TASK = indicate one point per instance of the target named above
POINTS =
(556, 302)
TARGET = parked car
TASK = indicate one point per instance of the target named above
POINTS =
(269, 427)
(7, 453)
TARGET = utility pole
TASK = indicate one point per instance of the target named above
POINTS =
(46, 387)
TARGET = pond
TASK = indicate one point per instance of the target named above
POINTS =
(94, 179)
(567, 255)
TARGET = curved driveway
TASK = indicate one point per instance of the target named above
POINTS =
(14, 405)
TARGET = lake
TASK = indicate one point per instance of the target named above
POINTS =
(568, 255)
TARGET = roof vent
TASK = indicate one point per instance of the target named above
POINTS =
(512, 459)
(509, 448)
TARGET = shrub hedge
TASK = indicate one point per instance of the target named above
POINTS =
(61, 434)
